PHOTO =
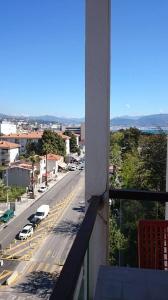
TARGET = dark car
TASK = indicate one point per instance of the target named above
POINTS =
(35, 222)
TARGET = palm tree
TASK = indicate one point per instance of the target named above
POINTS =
(46, 150)
(34, 159)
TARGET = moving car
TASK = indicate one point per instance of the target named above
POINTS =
(42, 189)
(42, 212)
(7, 216)
(26, 232)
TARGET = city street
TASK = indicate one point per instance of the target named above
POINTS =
(44, 267)
(53, 196)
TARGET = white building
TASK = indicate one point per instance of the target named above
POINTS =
(9, 152)
(7, 127)
(24, 138)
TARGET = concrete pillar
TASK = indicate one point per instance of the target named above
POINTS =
(97, 116)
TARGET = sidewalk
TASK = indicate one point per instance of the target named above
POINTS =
(25, 202)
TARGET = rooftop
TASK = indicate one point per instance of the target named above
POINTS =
(8, 145)
(31, 135)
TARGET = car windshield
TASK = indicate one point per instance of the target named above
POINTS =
(5, 216)
(24, 231)
(39, 213)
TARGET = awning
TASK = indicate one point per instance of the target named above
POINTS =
(62, 165)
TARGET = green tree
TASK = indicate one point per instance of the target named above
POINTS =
(117, 241)
(53, 142)
(34, 159)
(153, 149)
(31, 147)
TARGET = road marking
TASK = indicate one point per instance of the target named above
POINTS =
(41, 233)
(5, 273)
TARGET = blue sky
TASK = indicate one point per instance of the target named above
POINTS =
(42, 57)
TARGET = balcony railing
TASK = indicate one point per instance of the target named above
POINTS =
(67, 282)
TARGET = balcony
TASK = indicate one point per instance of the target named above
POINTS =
(114, 282)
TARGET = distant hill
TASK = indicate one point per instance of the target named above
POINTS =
(159, 120)
(45, 118)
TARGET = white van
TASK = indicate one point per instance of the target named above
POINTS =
(42, 212)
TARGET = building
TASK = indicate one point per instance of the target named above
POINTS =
(54, 163)
(23, 138)
(9, 152)
(7, 128)
(19, 175)
(82, 134)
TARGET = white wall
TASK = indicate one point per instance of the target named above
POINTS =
(97, 121)
(10, 155)
(82, 131)
(67, 144)
(52, 165)
(14, 154)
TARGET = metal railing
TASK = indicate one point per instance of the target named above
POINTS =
(67, 281)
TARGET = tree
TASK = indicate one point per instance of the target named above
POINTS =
(31, 147)
(153, 149)
(53, 142)
(141, 164)
(34, 159)
(117, 241)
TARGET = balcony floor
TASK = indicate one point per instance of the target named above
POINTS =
(121, 283)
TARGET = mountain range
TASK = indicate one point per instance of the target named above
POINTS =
(157, 120)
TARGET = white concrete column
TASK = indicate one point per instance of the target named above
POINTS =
(97, 95)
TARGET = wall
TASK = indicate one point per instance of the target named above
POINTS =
(67, 144)
(19, 176)
(7, 128)
(14, 154)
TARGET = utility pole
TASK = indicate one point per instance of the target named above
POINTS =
(7, 184)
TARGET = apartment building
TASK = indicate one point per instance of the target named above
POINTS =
(23, 138)
(9, 152)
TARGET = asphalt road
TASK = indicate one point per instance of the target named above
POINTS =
(53, 196)
(43, 269)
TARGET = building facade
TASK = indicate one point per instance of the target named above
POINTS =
(7, 128)
(9, 152)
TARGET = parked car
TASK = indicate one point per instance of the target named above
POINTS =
(7, 216)
(42, 189)
(35, 221)
(72, 167)
(81, 167)
(26, 232)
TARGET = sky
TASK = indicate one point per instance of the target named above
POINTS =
(42, 57)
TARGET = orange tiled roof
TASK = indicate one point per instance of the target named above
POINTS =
(29, 135)
(8, 145)
(52, 156)
(65, 137)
